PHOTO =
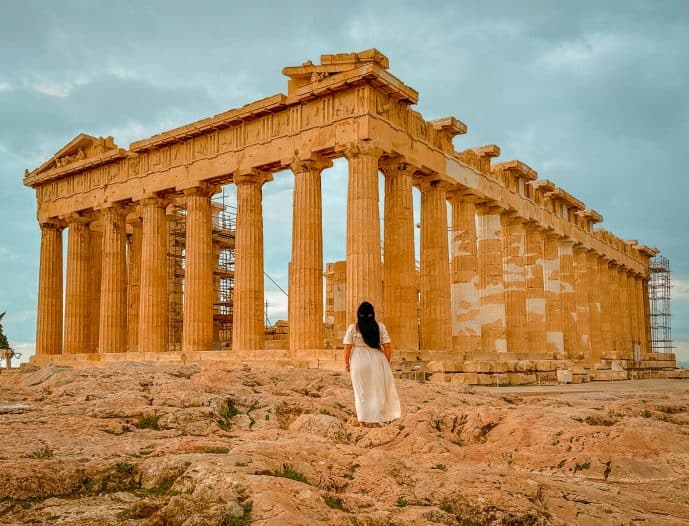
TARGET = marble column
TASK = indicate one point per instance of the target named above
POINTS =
(568, 294)
(625, 314)
(364, 269)
(400, 295)
(113, 309)
(633, 311)
(435, 316)
(583, 319)
(197, 328)
(535, 290)
(248, 326)
(643, 333)
(153, 300)
(49, 319)
(615, 308)
(464, 289)
(95, 270)
(553, 298)
(493, 317)
(514, 279)
(306, 268)
(595, 312)
(605, 285)
(134, 284)
(647, 318)
(77, 313)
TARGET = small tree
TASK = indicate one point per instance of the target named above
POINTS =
(4, 344)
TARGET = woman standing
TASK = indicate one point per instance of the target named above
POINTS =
(367, 358)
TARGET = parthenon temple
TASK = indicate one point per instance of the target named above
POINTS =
(518, 281)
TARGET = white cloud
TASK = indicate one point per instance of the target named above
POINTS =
(277, 305)
(52, 89)
(7, 255)
(586, 53)
(26, 349)
(682, 350)
(4, 86)
(680, 289)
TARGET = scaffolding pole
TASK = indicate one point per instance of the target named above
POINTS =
(223, 239)
(659, 295)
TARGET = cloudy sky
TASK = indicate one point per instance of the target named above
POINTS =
(594, 97)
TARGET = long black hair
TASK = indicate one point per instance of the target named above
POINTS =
(367, 325)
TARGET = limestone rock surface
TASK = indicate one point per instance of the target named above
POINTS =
(141, 444)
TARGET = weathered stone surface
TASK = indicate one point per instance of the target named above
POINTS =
(580, 454)
(528, 273)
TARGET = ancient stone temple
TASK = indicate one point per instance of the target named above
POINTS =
(523, 284)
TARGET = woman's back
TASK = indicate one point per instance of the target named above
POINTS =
(354, 337)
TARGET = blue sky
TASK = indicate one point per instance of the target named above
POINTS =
(594, 97)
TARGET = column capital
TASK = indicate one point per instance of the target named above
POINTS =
(362, 149)
(396, 165)
(312, 163)
(460, 193)
(579, 248)
(115, 210)
(77, 219)
(534, 226)
(491, 207)
(511, 218)
(202, 190)
(427, 182)
(252, 176)
(592, 254)
(53, 224)
(155, 201)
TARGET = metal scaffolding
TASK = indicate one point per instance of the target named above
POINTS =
(224, 228)
(659, 295)
(223, 223)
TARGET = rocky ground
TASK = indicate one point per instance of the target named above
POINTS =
(176, 445)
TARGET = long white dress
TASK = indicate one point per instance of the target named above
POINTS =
(375, 395)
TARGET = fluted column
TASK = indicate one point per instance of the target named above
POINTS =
(306, 268)
(153, 301)
(605, 285)
(464, 289)
(647, 317)
(615, 308)
(594, 301)
(535, 290)
(583, 319)
(569, 306)
(399, 261)
(197, 330)
(553, 298)
(113, 309)
(633, 311)
(625, 314)
(95, 269)
(77, 320)
(493, 318)
(364, 269)
(643, 337)
(49, 316)
(435, 316)
(134, 284)
(514, 277)
(248, 327)
(625, 304)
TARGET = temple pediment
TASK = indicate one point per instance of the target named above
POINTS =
(333, 64)
(81, 147)
(81, 152)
